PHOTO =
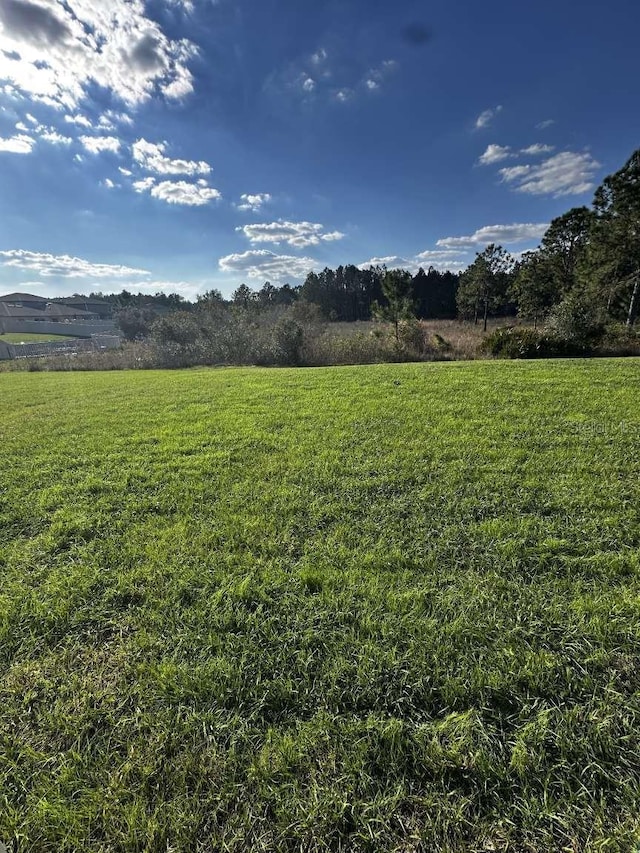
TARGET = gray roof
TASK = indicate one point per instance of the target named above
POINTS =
(22, 297)
(17, 312)
(55, 310)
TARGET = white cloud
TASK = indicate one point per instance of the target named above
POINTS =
(80, 120)
(54, 51)
(486, 117)
(503, 234)
(96, 144)
(178, 192)
(143, 185)
(296, 234)
(20, 144)
(319, 57)
(543, 125)
(55, 138)
(567, 173)
(439, 259)
(126, 172)
(320, 78)
(151, 156)
(434, 257)
(64, 266)
(344, 95)
(253, 202)
(375, 77)
(494, 154)
(394, 262)
(108, 183)
(538, 148)
(185, 288)
(260, 263)
(497, 153)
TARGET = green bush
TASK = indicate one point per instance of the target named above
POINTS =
(619, 339)
(575, 322)
(521, 342)
(514, 342)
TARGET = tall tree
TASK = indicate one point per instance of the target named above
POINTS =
(243, 296)
(563, 247)
(613, 260)
(533, 287)
(483, 285)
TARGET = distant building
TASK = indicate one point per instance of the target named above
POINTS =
(25, 313)
(24, 300)
(100, 307)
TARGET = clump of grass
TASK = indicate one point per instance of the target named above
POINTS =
(369, 609)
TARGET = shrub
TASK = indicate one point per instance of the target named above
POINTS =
(575, 322)
(619, 339)
(522, 342)
(514, 342)
(287, 339)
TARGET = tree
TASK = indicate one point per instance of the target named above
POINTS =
(396, 288)
(613, 260)
(533, 288)
(135, 323)
(483, 285)
(563, 247)
(435, 293)
(243, 296)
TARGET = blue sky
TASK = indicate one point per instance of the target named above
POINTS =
(180, 145)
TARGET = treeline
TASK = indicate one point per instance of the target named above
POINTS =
(346, 294)
(582, 281)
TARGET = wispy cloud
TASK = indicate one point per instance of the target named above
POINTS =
(538, 148)
(494, 154)
(322, 76)
(392, 262)
(296, 234)
(566, 173)
(487, 116)
(497, 153)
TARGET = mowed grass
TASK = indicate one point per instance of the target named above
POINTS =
(385, 608)
(18, 338)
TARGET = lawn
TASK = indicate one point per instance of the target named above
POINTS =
(385, 608)
(18, 338)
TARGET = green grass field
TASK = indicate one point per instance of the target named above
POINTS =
(386, 608)
(17, 338)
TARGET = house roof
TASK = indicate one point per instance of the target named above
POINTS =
(83, 300)
(55, 310)
(17, 312)
(97, 306)
(22, 297)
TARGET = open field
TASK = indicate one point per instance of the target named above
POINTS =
(383, 608)
(18, 338)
